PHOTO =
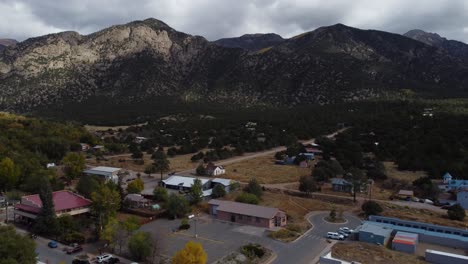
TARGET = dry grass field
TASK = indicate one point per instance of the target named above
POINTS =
(367, 253)
(394, 173)
(421, 215)
(264, 170)
(178, 163)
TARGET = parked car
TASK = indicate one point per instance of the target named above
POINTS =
(346, 229)
(112, 261)
(74, 249)
(334, 235)
(81, 261)
(103, 258)
(52, 244)
(343, 233)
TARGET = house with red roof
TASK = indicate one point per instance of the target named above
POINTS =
(65, 202)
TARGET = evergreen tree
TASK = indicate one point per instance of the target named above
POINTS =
(201, 171)
(46, 222)
(254, 188)
(196, 193)
(218, 191)
(160, 162)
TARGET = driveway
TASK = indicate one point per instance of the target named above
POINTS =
(220, 238)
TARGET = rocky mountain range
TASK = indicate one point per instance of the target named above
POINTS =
(252, 42)
(455, 48)
(148, 60)
(6, 42)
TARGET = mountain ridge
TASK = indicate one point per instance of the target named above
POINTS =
(146, 60)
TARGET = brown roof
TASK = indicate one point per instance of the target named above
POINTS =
(406, 192)
(245, 209)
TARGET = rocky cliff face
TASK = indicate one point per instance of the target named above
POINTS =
(454, 48)
(135, 62)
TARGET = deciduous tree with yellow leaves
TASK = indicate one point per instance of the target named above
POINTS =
(192, 253)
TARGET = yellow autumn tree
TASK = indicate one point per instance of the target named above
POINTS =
(192, 253)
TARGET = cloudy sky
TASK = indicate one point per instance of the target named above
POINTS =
(213, 19)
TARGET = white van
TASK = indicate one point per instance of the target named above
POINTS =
(334, 235)
(103, 258)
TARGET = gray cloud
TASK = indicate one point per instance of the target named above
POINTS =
(215, 19)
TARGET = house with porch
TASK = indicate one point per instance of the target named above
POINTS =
(65, 202)
(214, 170)
(341, 185)
(247, 214)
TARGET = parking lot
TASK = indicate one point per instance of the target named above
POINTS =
(221, 238)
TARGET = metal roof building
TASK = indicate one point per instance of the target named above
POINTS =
(371, 232)
(405, 242)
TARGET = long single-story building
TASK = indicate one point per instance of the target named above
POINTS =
(182, 183)
(430, 233)
(65, 202)
(247, 214)
(108, 173)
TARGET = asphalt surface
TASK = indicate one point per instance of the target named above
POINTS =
(221, 238)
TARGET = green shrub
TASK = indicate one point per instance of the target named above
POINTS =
(456, 212)
(371, 208)
(184, 224)
(74, 237)
(247, 198)
(253, 251)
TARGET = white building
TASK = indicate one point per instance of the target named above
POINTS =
(108, 173)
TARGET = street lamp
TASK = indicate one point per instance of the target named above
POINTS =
(192, 216)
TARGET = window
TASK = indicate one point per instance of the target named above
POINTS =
(431, 229)
(257, 219)
(239, 217)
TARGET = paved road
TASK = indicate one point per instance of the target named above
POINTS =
(306, 249)
(221, 238)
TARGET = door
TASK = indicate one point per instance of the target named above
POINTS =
(233, 217)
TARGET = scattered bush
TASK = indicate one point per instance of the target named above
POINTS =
(456, 212)
(247, 198)
(284, 235)
(253, 251)
(371, 208)
(74, 237)
(184, 224)
(254, 188)
(218, 191)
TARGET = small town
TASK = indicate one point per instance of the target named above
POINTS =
(233, 132)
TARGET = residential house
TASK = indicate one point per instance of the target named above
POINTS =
(447, 178)
(308, 156)
(405, 194)
(184, 184)
(106, 173)
(247, 214)
(454, 185)
(214, 170)
(136, 200)
(85, 146)
(462, 197)
(65, 202)
(341, 185)
(139, 140)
